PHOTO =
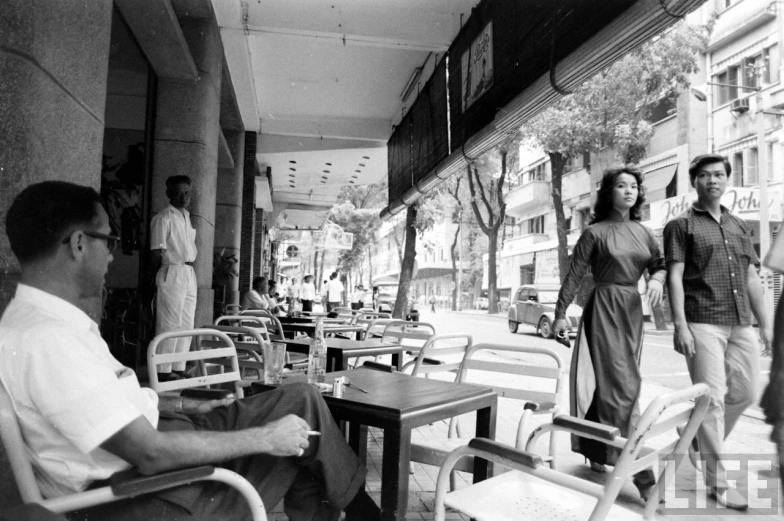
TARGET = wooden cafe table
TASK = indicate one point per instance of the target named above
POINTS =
(398, 403)
(340, 350)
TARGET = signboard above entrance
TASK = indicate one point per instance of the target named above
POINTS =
(743, 202)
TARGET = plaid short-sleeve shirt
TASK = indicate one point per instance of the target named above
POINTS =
(716, 257)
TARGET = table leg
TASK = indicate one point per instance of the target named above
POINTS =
(485, 428)
(394, 472)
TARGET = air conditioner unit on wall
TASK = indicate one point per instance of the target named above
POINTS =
(740, 105)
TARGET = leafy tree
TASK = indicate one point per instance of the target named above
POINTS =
(612, 109)
(486, 178)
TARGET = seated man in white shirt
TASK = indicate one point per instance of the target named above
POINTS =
(254, 297)
(85, 417)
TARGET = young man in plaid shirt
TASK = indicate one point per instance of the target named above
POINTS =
(714, 289)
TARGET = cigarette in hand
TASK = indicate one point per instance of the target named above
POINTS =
(313, 433)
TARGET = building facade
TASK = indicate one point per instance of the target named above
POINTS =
(732, 109)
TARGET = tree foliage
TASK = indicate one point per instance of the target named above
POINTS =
(613, 109)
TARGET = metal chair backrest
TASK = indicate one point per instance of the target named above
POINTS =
(375, 329)
(225, 356)
(411, 335)
(636, 451)
(366, 317)
(258, 324)
(17, 451)
(538, 377)
(272, 322)
(232, 309)
(440, 354)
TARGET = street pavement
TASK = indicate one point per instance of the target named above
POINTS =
(752, 453)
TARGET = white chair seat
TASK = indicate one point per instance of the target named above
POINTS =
(518, 496)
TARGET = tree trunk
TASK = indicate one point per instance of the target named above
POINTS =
(370, 269)
(456, 292)
(321, 266)
(492, 275)
(407, 267)
(557, 163)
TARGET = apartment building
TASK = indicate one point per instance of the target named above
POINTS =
(735, 108)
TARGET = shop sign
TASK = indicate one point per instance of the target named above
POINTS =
(743, 202)
(477, 67)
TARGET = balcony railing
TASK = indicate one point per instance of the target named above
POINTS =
(528, 197)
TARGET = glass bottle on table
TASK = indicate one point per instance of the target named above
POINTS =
(317, 355)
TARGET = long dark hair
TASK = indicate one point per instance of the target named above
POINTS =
(603, 206)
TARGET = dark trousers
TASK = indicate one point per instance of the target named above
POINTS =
(316, 486)
(307, 305)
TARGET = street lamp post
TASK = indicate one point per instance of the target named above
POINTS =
(460, 266)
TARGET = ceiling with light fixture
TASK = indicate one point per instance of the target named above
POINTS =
(323, 84)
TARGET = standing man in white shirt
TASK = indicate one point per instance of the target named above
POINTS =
(307, 293)
(334, 292)
(173, 248)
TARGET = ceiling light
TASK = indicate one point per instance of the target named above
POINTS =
(362, 165)
(358, 171)
(293, 162)
(353, 177)
(410, 85)
(326, 171)
(351, 182)
(328, 164)
(324, 177)
(365, 157)
(292, 169)
(323, 182)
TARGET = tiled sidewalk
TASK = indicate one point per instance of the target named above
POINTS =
(686, 498)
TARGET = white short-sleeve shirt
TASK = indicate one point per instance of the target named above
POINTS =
(171, 230)
(69, 393)
(307, 291)
(334, 287)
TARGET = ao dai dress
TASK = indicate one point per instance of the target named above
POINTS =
(605, 373)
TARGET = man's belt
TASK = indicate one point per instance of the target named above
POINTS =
(188, 263)
(179, 264)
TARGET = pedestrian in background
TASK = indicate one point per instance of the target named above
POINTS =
(714, 290)
(307, 293)
(334, 292)
(605, 378)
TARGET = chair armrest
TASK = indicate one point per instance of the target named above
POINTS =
(131, 483)
(578, 426)
(376, 366)
(206, 394)
(531, 406)
(518, 456)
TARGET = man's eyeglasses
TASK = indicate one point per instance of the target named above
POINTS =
(111, 240)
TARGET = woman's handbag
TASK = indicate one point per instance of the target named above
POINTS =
(775, 257)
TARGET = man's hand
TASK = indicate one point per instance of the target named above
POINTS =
(655, 292)
(286, 437)
(766, 335)
(559, 327)
(683, 340)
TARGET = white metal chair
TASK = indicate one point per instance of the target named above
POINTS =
(537, 386)
(232, 309)
(224, 356)
(123, 485)
(533, 487)
(270, 321)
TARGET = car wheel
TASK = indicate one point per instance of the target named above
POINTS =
(513, 326)
(545, 328)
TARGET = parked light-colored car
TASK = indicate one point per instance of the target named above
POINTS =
(534, 305)
(482, 303)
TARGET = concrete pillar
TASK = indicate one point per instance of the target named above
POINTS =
(228, 210)
(52, 103)
(186, 143)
